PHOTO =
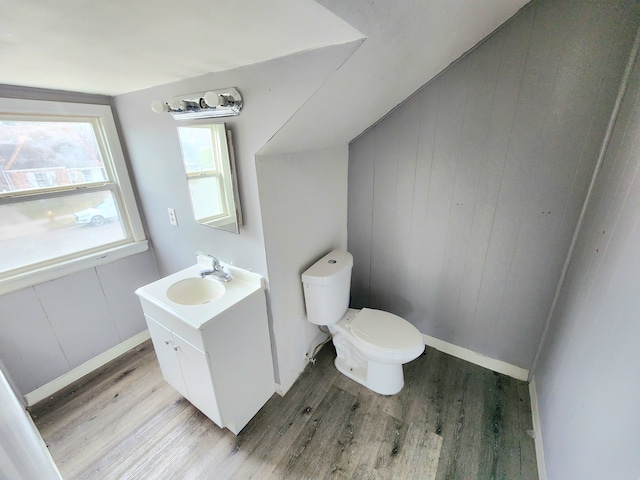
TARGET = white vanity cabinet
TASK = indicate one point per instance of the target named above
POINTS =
(185, 368)
(217, 355)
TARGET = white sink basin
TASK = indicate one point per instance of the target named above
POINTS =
(195, 291)
(197, 301)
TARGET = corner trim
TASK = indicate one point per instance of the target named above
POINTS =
(87, 367)
(537, 430)
(477, 358)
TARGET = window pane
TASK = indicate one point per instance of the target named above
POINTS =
(40, 230)
(36, 155)
(206, 197)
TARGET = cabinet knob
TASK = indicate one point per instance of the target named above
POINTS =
(167, 342)
(175, 347)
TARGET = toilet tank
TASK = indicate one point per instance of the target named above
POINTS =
(327, 287)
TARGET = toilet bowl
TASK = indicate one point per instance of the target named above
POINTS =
(371, 345)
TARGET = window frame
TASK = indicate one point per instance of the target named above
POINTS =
(120, 185)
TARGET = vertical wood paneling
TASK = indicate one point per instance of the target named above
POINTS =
(428, 102)
(534, 99)
(513, 47)
(506, 142)
(451, 96)
(587, 284)
(28, 343)
(360, 197)
(384, 205)
(452, 129)
(52, 328)
(481, 92)
(406, 179)
(564, 143)
(554, 165)
(119, 280)
(586, 402)
(78, 313)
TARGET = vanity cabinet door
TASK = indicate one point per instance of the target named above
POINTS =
(163, 344)
(196, 373)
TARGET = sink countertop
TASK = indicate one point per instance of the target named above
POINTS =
(243, 283)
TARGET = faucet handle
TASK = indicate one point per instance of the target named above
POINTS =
(215, 263)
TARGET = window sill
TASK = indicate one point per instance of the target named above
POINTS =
(45, 274)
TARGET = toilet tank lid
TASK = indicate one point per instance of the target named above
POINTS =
(328, 267)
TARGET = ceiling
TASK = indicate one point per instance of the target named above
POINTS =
(407, 44)
(122, 46)
(119, 46)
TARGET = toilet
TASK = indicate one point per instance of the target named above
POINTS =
(371, 345)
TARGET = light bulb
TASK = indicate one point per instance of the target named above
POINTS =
(212, 99)
(159, 107)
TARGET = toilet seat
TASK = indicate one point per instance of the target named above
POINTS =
(385, 330)
(381, 336)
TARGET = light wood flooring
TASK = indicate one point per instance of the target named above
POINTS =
(452, 420)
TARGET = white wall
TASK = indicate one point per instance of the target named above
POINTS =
(23, 453)
(463, 200)
(586, 377)
(272, 91)
(304, 213)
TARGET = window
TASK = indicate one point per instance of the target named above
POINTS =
(66, 202)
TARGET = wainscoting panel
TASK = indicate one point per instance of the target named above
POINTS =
(48, 330)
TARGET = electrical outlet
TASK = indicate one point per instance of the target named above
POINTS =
(173, 220)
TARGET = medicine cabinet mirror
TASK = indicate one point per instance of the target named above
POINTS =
(207, 154)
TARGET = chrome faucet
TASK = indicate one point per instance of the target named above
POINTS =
(216, 269)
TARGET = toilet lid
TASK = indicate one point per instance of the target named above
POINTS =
(386, 330)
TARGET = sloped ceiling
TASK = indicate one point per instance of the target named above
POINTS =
(119, 46)
(123, 46)
(407, 44)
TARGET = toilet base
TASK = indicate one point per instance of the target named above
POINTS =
(381, 378)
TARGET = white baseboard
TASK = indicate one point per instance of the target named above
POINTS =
(477, 358)
(465, 354)
(87, 367)
(537, 431)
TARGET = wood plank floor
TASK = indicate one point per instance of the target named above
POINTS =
(452, 420)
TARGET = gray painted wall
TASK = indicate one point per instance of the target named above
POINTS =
(303, 198)
(48, 330)
(463, 201)
(272, 91)
(586, 376)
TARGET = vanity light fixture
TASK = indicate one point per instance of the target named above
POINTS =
(226, 102)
